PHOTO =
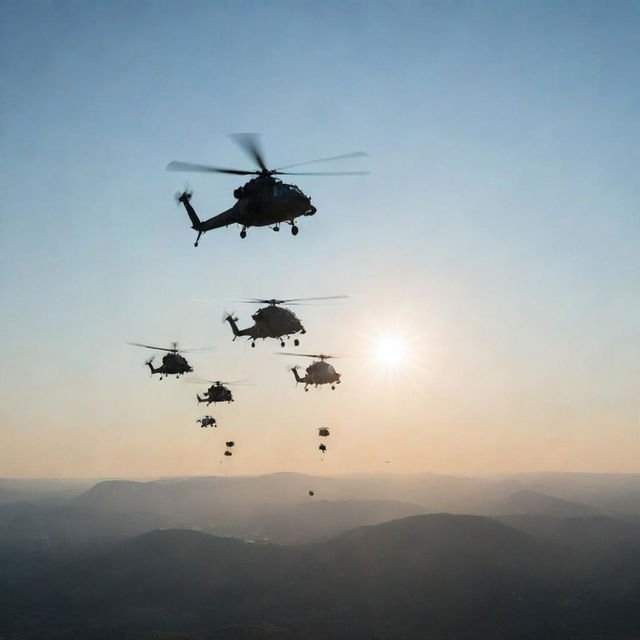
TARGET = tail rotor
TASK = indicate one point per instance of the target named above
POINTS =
(184, 195)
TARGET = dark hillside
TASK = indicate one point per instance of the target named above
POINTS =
(464, 577)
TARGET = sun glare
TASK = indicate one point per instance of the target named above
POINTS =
(391, 351)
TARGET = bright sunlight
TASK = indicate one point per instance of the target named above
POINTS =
(391, 351)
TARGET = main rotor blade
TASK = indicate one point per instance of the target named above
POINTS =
(225, 382)
(251, 145)
(318, 298)
(355, 154)
(197, 349)
(285, 300)
(148, 346)
(321, 356)
(322, 173)
(188, 166)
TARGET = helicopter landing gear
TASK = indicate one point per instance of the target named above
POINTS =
(294, 230)
(296, 342)
(195, 244)
(276, 228)
(243, 233)
(306, 389)
(333, 388)
(253, 344)
(282, 343)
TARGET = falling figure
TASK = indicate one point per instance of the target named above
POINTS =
(322, 448)
(231, 443)
(207, 421)
(311, 493)
(324, 432)
(228, 453)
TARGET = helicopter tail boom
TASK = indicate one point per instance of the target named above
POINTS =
(230, 216)
(234, 327)
(296, 376)
(185, 198)
(149, 363)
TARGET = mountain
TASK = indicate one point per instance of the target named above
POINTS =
(221, 497)
(317, 520)
(437, 576)
(207, 500)
(40, 490)
(216, 499)
(612, 493)
(524, 502)
(31, 526)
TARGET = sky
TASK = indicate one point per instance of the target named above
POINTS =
(496, 237)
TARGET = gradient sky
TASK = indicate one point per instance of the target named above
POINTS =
(497, 234)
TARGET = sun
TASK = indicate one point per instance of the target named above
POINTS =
(390, 351)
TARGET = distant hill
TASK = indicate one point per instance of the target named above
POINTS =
(40, 490)
(591, 534)
(24, 525)
(207, 500)
(213, 502)
(315, 520)
(436, 576)
(222, 496)
(525, 502)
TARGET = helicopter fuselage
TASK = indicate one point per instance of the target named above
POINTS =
(271, 321)
(318, 373)
(216, 393)
(263, 201)
(172, 364)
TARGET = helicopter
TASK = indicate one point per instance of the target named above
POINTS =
(173, 363)
(207, 421)
(264, 200)
(217, 392)
(273, 321)
(318, 372)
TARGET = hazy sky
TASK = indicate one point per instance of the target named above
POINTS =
(497, 234)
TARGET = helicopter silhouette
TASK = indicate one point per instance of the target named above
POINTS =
(273, 321)
(217, 392)
(264, 200)
(318, 372)
(173, 363)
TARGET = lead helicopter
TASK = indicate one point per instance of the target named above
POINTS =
(264, 201)
(273, 321)
(217, 392)
(318, 372)
(173, 363)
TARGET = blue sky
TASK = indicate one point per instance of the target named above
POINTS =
(497, 233)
